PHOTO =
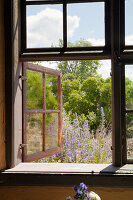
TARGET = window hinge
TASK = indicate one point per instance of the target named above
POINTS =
(112, 148)
(23, 78)
(22, 145)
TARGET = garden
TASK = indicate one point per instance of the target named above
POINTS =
(86, 112)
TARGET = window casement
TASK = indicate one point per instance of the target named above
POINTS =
(65, 51)
(17, 51)
(127, 112)
(44, 137)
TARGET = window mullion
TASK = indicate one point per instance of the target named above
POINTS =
(116, 83)
(123, 115)
(60, 109)
(24, 135)
(65, 26)
(23, 26)
(44, 108)
(107, 24)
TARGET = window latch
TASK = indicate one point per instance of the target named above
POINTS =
(22, 145)
(23, 78)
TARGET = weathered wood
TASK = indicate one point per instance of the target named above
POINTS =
(16, 85)
(24, 136)
(44, 111)
(123, 116)
(2, 89)
(64, 48)
(60, 120)
(12, 83)
(66, 56)
(42, 154)
(62, 174)
(116, 84)
(39, 68)
(60, 1)
(64, 25)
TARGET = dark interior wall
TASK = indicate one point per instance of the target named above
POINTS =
(2, 88)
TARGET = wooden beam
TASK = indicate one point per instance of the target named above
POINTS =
(116, 84)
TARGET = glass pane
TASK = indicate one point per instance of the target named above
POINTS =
(34, 90)
(34, 133)
(86, 25)
(129, 86)
(51, 92)
(129, 135)
(44, 26)
(51, 139)
(128, 22)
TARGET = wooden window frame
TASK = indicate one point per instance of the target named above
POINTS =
(124, 111)
(59, 53)
(116, 51)
(45, 152)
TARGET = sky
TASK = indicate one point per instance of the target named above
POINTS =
(85, 21)
(45, 24)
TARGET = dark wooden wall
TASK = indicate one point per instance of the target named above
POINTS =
(2, 89)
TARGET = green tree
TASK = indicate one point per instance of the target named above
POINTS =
(129, 93)
(129, 105)
(80, 69)
(34, 90)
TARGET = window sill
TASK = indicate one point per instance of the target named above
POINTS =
(67, 174)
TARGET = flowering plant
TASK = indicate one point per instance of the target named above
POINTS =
(83, 194)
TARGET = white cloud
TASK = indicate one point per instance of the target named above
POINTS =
(46, 28)
(129, 72)
(105, 68)
(73, 23)
(129, 40)
(96, 42)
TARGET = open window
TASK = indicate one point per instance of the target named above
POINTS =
(42, 112)
(115, 19)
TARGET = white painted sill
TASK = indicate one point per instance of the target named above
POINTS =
(64, 168)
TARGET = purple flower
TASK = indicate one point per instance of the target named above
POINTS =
(75, 197)
(79, 192)
(83, 186)
(87, 195)
(75, 187)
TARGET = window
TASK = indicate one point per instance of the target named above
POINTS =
(67, 16)
(86, 86)
(115, 47)
(42, 116)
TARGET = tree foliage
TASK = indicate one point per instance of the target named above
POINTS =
(84, 91)
(87, 99)
(79, 69)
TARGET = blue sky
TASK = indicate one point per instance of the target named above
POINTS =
(129, 22)
(85, 21)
